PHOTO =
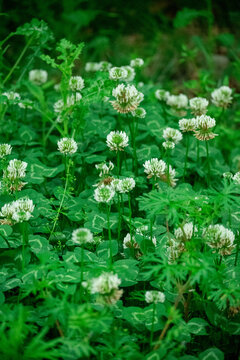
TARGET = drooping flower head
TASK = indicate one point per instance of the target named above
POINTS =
(198, 106)
(117, 140)
(127, 98)
(38, 76)
(222, 96)
(67, 146)
(204, 125)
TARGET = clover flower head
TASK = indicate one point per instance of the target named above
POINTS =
(26, 104)
(12, 96)
(220, 239)
(198, 106)
(127, 98)
(154, 296)
(222, 97)
(38, 76)
(177, 101)
(228, 175)
(125, 185)
(118, 73)
(57, 87)
(204, 125)
(73, 99)
(58, 106)
(5, 149)
(162, 95)
(174, 249)
(236, 178)
(76, 83)
(82, 236)
(117, 140)
(67, 146)
(107, 286)
(186, 125)
(130, 73)
(104, 168)
(139, 113)
(185, 232)
(130, 242)
(168, 145)
(92, 66)
(138, 62)
(104, 66)
(173, 135)
(16, 169)
(104, 193)
(17, 211)
(154, 168)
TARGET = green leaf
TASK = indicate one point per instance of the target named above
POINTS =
(5, 230)
(197, 326)
(103, 249)
(211, 354)
(127, 271)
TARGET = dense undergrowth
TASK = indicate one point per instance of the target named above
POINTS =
(120, 212)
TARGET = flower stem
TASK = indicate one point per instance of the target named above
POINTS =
(119, 216)
(152, 328)
(236, 256)
(109, 233)
(186, 156)
(118, 164)
(208, 163)
(24, 228)
(130, 215)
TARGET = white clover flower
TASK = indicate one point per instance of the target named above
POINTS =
(138, 62)
(104, 168)
(92, 66)
(11, 96)
(140, 84)
(104, 66)
(58, 106)
(173, 135)
(38, 76)
(143, 230)
(5, 149)
(154, 168)
(118, 73)
(76, 83)
(26, 104)
(117, 140)
(57, 87)
(198, 106)
(129, 242)
(73, 99)
(168, 145)
(139, 113)
(185, 232)
(105, 283)
(17, 211)
(236, 178)
(82, 236)
(177, 101)
(16, 170)
(222, 96)
(174, 250)
(228, 175)
(186, 125)
(130, 73)
(67, 146)
(127, 98)
(154, 296)
(104, 193)
(204, 125)
(162, 95)
(170, 176)
(220, 238)
(125, 185)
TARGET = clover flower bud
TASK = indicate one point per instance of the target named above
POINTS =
(139, 113)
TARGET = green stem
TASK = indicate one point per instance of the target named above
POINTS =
(119, 216)
(130, 215)
(24, 228)
(118, 164)
(186, 156)
(236, 256)
(152, 328)
(109, 234)
(18, 60)
(208, 163)
(67, 168)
